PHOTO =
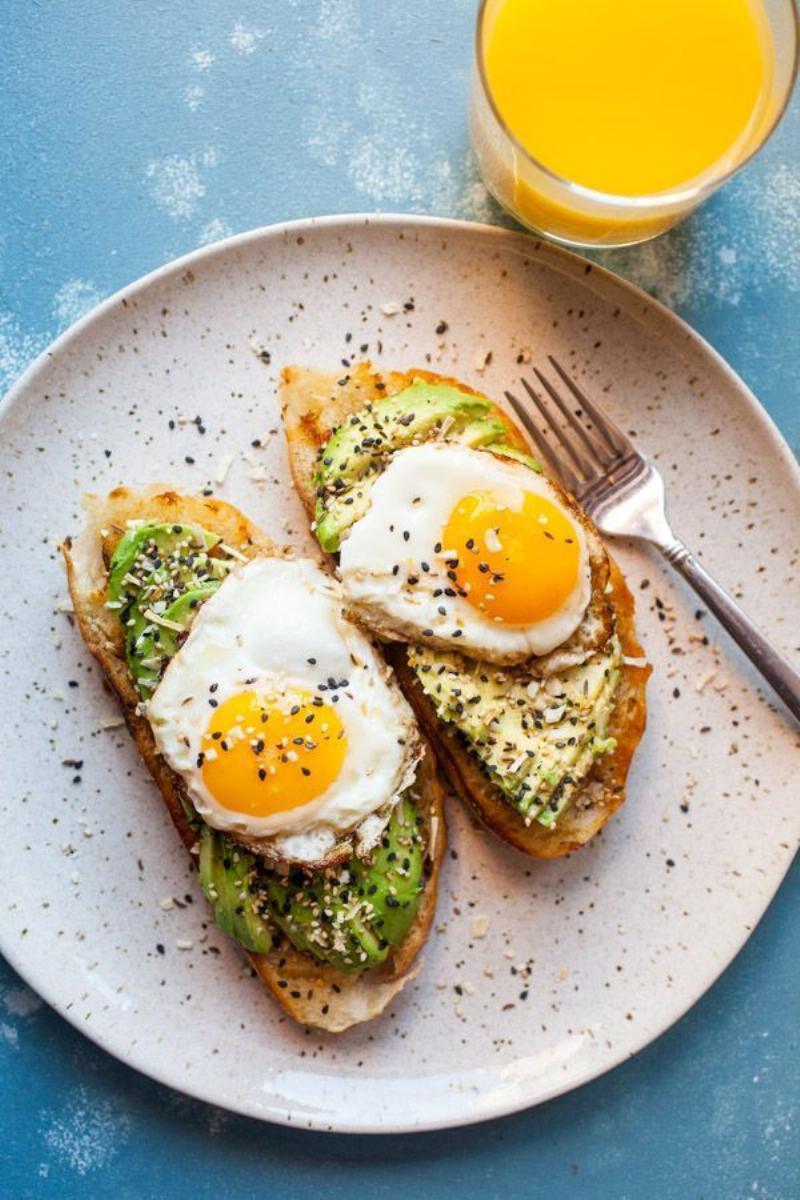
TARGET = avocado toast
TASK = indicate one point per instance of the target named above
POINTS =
(540, 746)
(334, 941)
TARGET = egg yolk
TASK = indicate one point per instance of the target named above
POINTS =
(263, 755)
(516, 565)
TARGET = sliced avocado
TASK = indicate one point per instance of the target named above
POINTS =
(536, 741)
(351, 917)
(395, 421)
(309, 909)
(226, 873)
(152, 649)
(478, 433)
(165, 538)
(393, 879)
(506, 451)
(152, 568)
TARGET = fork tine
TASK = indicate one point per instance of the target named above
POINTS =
(584, 469)
(555, 463)
(598, 454)
(618, 442)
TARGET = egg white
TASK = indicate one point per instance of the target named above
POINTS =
(273, 625)
(410, 505)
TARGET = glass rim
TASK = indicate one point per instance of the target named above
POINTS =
(653, 199)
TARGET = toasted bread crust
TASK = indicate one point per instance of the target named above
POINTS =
(313, 404)
(313, 994)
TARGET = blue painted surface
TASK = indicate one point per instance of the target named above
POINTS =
(132, 133)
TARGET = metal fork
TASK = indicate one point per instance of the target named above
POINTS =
(623, 492)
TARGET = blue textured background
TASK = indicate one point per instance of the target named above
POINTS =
(131, 133)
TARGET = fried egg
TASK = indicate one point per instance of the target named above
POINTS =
(287, 729)
(464, 550)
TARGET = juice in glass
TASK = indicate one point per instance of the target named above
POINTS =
(604, 121)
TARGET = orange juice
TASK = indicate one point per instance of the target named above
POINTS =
(628, 98)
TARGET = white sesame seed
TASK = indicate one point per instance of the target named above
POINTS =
(480, 926)
(225, 464)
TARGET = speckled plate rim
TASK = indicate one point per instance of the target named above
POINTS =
(568, 264)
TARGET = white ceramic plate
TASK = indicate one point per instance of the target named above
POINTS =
(585, 960)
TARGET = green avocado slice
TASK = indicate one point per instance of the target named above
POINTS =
(506, 451)
(226, 874)
(395, 421)
(165, 540)
(478, 434)
(152, 569)
(149, 653)
(393, 879)
(352, 917)
(296, 903)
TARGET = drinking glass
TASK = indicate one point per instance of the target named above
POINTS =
(575, 215)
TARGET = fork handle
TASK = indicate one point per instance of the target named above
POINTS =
(772, 665)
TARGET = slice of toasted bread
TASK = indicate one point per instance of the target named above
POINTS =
(313, 404)
(313, 994)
